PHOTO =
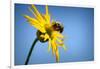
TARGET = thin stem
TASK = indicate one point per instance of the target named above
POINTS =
(30, 52)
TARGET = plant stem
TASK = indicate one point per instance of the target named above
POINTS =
(30, 52)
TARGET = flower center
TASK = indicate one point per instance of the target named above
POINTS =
(55, 26)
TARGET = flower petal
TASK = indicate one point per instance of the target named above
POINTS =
(57, 55)
(49, 44)
(38, 15)
(54, 46)
(35, 23)
(47, 15)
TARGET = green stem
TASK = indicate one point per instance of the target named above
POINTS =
(30, 52)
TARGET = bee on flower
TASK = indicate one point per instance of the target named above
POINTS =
(47, 31)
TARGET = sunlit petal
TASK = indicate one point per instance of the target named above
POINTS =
(57, 55)
(49, 44)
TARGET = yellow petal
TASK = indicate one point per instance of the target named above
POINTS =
(54, 47)
(38, 19)
(47, 10)
(37, 26)
(59, 35)
(35, 23)
(46, 37)
(59, 40)
(57, 55)
(47, 16)
(56, 34)
(38, 15)
(36, 11)
(64, 47)
(30, 18)
(49, 45)
(41, 20)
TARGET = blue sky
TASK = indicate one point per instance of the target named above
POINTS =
(78, 25)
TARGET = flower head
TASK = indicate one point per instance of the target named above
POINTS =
(47, 30)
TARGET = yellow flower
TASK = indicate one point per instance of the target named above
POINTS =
(47, 30)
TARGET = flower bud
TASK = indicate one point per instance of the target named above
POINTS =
(41, 39)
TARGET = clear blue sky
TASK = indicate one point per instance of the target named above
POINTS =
(78, 29)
